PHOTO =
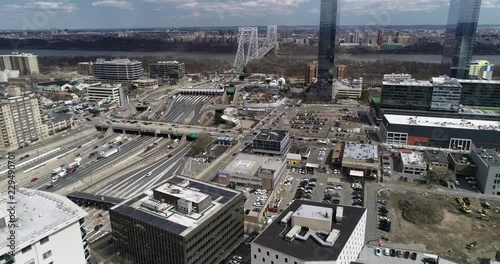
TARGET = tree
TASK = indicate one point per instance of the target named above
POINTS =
(435, 177)
(202, 141)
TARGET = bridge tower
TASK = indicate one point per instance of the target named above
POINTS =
(248, 46)
(272, 35)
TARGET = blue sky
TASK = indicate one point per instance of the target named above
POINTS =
(77, 14)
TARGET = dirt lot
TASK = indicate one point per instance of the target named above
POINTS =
(450, 236)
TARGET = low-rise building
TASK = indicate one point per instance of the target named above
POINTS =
(292, 158)
(146, 84)
(253, 170)
(101, 92)
(167, 70)
(59, 122)
(50, 229)
(272, 142)
(436, 161)
(360, 159)
(347, 88)
(182, 221)
(462, 164)
(85, 68)
(488, 170)
(413, 163)
(306, 228)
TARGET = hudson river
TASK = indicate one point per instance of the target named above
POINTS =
(494, 59)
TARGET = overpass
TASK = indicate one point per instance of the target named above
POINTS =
(249, 48)
(88, 199)
(202, 91)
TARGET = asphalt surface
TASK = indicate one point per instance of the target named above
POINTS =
(184, 106)
(89, 166)
(136, 181)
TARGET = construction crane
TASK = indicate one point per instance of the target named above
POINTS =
(472, 246)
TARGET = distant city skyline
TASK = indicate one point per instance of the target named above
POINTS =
(80, 14)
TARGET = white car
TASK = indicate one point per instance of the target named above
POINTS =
(148, 174)
(378, 251)
(387, 252)
(338, 187)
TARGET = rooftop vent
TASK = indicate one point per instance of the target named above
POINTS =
(175, 191)
(339, 214)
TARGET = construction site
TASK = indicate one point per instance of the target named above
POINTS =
(461, 229)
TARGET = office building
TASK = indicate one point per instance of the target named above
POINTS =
(477, 68)
(480, 93)
(439, 132)
(25, 63)
(145, 84)
(460, 38)
(173, 70)
(182, 221)
(488, 170)
(100, 92)
(398, 77)
(311, 232)
(58, 122)
(380, 36)
(256, 171)
(311, 73)
(329, 19)
(462, 164)
(437, 161)
(341, 71)
(347, 88)
(85, 68)
(412, 163)
(117, 69)
(359, 160)
(5, 75)
(20, 122)
(49, 229)
(488, 72)
(272, 142)
(440, 94)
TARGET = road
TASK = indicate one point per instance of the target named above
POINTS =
(90, 166)
(136, 181)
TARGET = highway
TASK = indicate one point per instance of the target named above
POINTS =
(89, 166)
(136, 181)
(185, 107)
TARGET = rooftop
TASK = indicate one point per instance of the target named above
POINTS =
(445, 81)
(58, 117)
(490, 157)
(248, 164)
(39, 214)
(359, 151)
(165, 216)
(272, 135)
(117, 61)
(307, 243)
(436, 156)
(413, 158)
(167, 62)
(407, 82)
(443, 122)
(478, 81)
(355, 84)
(462, 159)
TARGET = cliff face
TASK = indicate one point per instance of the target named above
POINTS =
(118, 44)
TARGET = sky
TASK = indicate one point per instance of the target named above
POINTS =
(95, 14)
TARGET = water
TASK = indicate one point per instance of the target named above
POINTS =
(494, 59)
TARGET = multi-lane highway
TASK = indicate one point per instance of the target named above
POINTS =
(88, 166)
(143, 179)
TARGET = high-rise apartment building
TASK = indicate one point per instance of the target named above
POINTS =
(356, 36)
(327, 32)
(311, 73)
(481, 69)
(167, 70)
(49, 229)
(460, 37)
(25, 63)
(20, 122)
(380, 36)
(341, 71)
(182, 221)
(118, 69)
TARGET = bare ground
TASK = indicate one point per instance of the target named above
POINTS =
(451, 235)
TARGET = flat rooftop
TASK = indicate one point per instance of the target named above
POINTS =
(359, 151)
(489, 156)
(436, 156)
(413, 158)
(407, 82)
(445, 81)
(478, 81)
(273, 236)
(443, 122)
(272, 135)
(117, 61)
(249, 164)
(462, 159)
(40, 214)
(182, 193)
(166, 217)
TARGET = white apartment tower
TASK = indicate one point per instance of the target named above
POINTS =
(25, 63)
(49, 230)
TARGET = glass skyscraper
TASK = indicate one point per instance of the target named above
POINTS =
(327, 30)
(460, 37)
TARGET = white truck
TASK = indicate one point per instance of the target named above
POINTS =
(57, 170)
(105, 154)
(62, 174)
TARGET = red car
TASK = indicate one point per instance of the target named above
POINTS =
(34, 179)
(386, 157)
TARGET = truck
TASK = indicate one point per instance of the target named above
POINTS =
(57, 170)
(105, 154)
(62, 174)
(72, 167)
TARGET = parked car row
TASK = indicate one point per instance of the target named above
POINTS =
(305, 188)
(398, 253)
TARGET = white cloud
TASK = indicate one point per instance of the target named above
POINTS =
(113, 3)
(40, 5)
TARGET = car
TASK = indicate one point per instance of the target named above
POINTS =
(338, 187)
(79, 146)
(335, 201)
(34, 179)
(48, 186)
(429, 261)
(406, 254)
(413, 256)
(234, 262)
(238, 258)
(378, 252)
(386, 157)
(392, 252)
(384, 202)
(313, 180)
(399, 254)
(386, 252)
(148, 174)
